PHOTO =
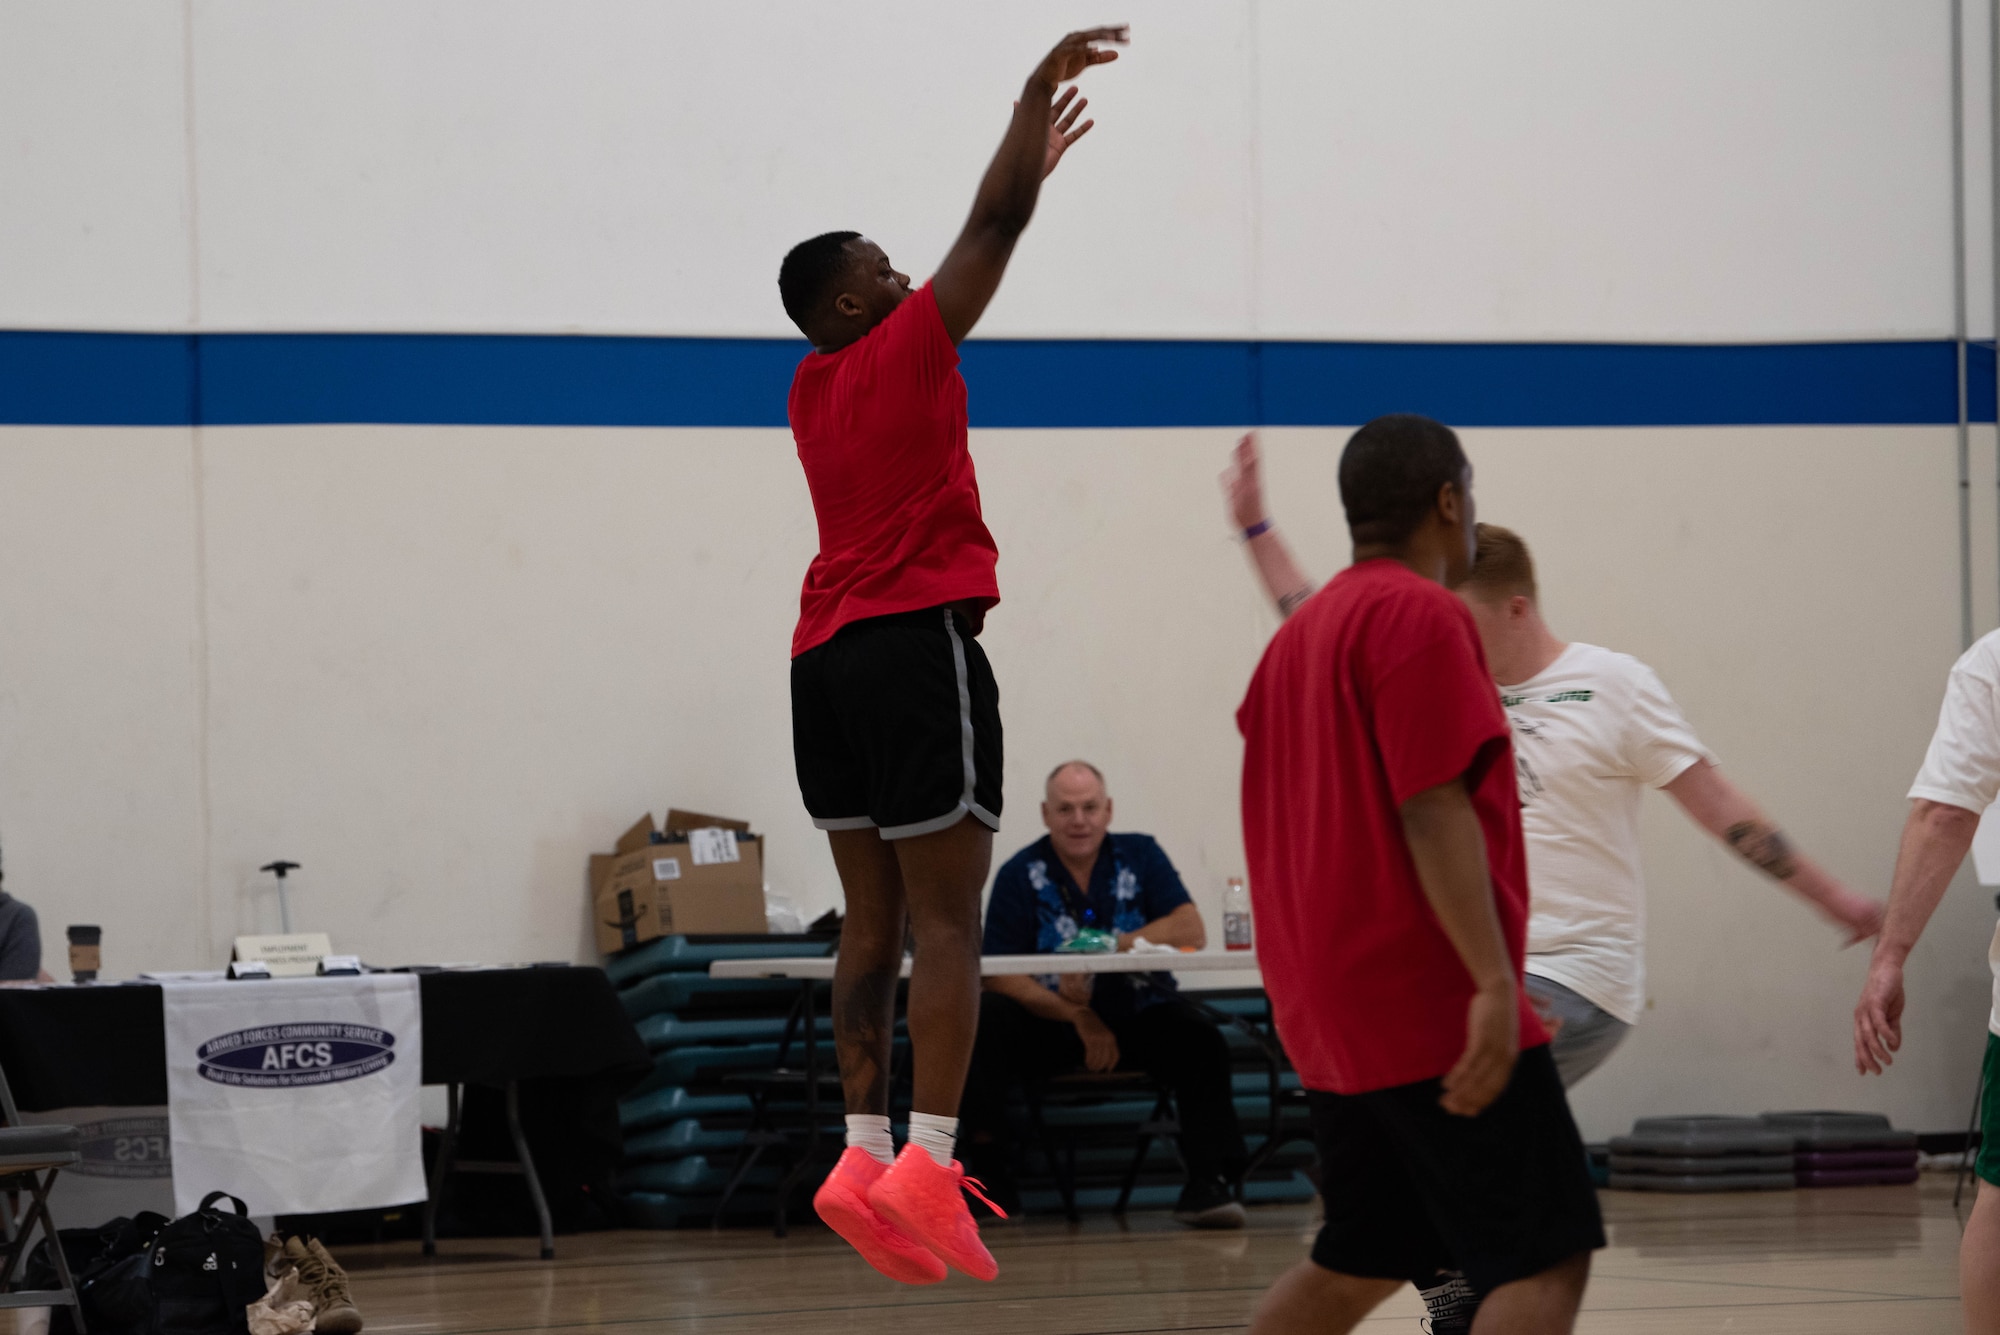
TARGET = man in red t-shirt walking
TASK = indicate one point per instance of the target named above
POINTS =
(1390, 885)
(895, 715)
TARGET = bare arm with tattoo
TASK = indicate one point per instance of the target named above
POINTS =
(1283, 580)
(1728, 813)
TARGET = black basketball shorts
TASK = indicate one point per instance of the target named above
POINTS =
(1411, 1189)
(896, 726)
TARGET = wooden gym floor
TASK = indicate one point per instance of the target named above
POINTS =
(1879, 1259)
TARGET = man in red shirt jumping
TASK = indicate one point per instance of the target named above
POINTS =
(1389, 880)
(895, 714)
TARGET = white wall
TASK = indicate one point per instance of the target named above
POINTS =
(1560, 169)
(101, 652)
(1660, 169)
(95, 215)
(440, 665)
(444, 664)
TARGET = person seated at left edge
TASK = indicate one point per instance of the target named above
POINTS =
(1080, 876)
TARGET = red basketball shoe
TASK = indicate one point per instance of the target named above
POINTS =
(843, 1202)
(928, 1203)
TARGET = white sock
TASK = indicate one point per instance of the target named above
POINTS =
(870, 1131)
(935, 1134)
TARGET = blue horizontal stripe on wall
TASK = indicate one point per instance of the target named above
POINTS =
(559, 380)
(1109, 383)
(1615, 384)
(495, 379)
(96, 379)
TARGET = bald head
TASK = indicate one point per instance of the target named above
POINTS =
(1073, 771)
(1077, 810)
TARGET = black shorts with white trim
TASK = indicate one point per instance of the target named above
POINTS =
(896, 726)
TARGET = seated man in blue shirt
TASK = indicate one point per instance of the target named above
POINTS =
(1079, 876)
(20, 941)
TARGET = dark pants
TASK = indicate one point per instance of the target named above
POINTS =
(1171, 1041)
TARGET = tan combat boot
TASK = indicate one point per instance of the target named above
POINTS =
(325, 1284)
(276, 1262)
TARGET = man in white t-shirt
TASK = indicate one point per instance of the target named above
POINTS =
(1593, 729)
(1959, 781)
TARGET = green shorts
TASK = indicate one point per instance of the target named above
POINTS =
(1988, 1163)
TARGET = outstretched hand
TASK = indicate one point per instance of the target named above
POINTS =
(1041, 131)
(1878, 1017)
(1243, 483)
(1061, 135)
(1858, 916)
(1079, 51)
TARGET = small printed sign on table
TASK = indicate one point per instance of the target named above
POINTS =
(296, 955)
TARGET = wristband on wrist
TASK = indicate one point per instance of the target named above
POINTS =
(1257, 529)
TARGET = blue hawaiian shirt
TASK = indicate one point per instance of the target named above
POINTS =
(1037, 906)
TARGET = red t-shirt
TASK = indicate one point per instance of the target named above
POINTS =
(880, 427)
(1373, 692)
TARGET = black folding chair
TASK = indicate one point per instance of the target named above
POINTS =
(30, 1158)
(786, 1121)
(1279, 1130)
(1083, 1089)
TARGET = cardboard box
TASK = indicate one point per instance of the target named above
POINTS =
(633, 839)
(680, 822)
(708, 876)
(638, 836)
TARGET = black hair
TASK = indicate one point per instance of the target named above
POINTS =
(810, 268)
(1391, 472)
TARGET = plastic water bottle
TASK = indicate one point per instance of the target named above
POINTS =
(1236, 915)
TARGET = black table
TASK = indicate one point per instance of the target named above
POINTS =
(72, 1047)
(75, 1047)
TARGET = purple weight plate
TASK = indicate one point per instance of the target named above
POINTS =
(1838, 1160)
(1858, 1177)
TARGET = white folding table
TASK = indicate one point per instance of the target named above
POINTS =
(820, 968)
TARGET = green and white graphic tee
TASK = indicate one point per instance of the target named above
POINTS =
(1962, 768)
(1592, 732)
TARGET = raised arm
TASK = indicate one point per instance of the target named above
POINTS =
(1284, 582)
(1936, 838)
(1036, 139)
(1728, 813)
(1449, 850)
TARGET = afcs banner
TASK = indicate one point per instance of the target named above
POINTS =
(299, 1095)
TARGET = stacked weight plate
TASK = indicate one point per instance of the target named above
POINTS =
(1703, 1154)
(1845, 1149)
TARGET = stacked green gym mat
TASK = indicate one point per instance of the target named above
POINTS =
(683, 1127)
